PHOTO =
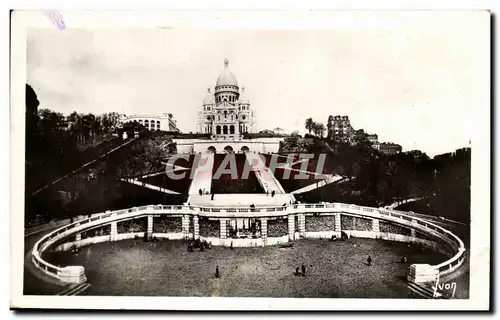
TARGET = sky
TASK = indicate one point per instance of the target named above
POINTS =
(418, 87)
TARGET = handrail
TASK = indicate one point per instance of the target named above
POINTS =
(373, 213)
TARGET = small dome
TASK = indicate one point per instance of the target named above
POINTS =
(226, 78)
(243, 97)
(209, 98)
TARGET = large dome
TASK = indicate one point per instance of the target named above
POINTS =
(226, 78)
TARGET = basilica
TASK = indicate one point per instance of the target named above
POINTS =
(226, 117)
(226, 113)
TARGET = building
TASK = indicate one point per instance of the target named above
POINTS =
(340, 129)
(389, 148)
(415, 153)
(163, 122)
(373, 138)
(226, 115)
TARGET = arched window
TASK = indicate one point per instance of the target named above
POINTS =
(146, 123)
(224, 130)
(140, 121)
(225, 114)
(231, 129)
(217, 129)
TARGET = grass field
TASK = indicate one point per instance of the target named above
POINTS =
(334, 269)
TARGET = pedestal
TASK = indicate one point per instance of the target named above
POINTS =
(73, 274)
(422, 273)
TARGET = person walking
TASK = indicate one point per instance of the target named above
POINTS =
(217, 275)
(303, 270)
(369, 260)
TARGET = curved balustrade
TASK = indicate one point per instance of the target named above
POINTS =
(397, 217)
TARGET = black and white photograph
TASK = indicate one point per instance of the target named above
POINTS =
(321, 160)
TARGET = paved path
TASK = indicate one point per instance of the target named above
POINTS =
(202, 178)
(398, 203)
(330, 178)
(35, 282)
(84, 165)
(149, 186)
(436, 219)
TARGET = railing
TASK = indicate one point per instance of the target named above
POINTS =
(111, 216)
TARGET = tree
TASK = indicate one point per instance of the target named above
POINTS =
(318, 129)
(321, 129)
(32, 104)
(309, 125)
(293, 139)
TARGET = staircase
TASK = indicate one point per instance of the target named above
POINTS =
(74, 289)
(424, 291)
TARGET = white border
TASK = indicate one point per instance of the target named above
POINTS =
(479, 290)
